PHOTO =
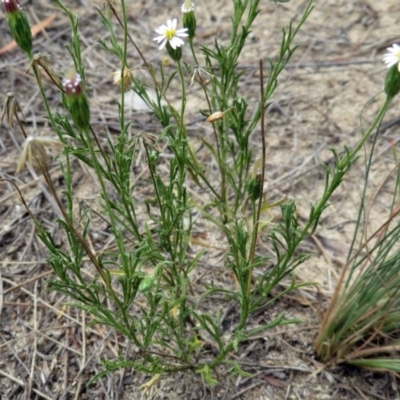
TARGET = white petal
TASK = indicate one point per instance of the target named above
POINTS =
(159, 38)
(161, 30)
(176, 42)
(163, 43)
(390, 59)
(181, 32)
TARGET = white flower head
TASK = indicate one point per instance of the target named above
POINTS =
(169, 34)
(392, 57)
(187, 6)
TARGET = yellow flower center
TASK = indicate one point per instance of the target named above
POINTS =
(170, 33)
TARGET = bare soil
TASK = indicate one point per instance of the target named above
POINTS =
(46, 349)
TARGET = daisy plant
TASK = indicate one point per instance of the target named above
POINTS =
(361, 325)
(148, 283)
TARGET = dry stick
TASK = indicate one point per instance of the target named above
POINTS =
(22, 384)
(27, 185)
(20, 125)
(372, 351)
(97, 350)
(246, 389)
(97, 141)
(19, 304)
(40, 331)
(48, 305)
(83, 330)
(35, 327)
(1, 294)
(36, 277)
(66, 356)
(57, 342)
(264, 149)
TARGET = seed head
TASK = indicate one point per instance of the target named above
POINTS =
(34, 152)
(40, 60)
(11, 108)
(126, 78)
(216, 116)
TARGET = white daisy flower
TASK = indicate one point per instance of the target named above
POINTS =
(169, 34)
(392, 57)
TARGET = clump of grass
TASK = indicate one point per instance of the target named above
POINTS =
(361, 326)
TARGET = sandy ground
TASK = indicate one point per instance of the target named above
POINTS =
(45, 349)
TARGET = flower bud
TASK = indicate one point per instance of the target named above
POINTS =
(254, 187)
(19, 25)
(165, 62)
(175, 54)
(392, 81)
(146, 284)
(75, 100)
(189, 19)
(216, 116)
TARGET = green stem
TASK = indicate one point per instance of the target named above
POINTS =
(53, 190)
(192, 50)
(113, 222)
(182, 129)
(375, 123)
(345, 163)
(123, 66)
